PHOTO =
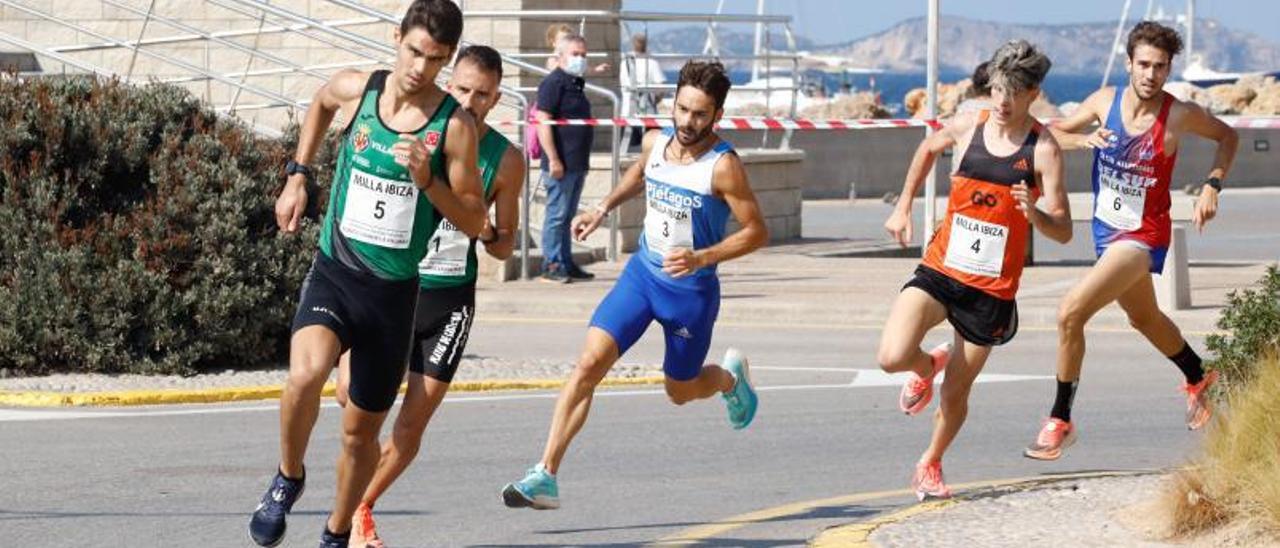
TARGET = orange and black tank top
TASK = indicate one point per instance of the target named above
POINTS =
(982, 240)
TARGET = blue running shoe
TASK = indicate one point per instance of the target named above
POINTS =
(267, 526)
(330, 540)
(742, 400)
(538, 490)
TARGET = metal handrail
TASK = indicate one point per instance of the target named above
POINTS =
(160, 56)
(178, 39)
(614, 16)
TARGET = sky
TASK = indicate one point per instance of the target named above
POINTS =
(858, 18)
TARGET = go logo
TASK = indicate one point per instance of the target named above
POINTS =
(982, 198)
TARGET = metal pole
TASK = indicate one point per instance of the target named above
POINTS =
(931, 84)
(235, 98)
(1115, 44)
(134, 58)
(1191, 31)
(755, 66)
(613, 183)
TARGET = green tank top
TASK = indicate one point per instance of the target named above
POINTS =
(378, 221)
(451, 255)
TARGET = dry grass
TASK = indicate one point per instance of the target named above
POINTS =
(1237, 479)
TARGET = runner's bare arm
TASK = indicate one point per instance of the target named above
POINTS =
(630, 185)
(1054, 219)
(1199, 122)
(1067, 131)
(343, 90)
(729, 180)
(506, 198)
(462, 202)
(899, 222)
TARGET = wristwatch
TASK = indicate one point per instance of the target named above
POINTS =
(1214, 182)
(293, 167)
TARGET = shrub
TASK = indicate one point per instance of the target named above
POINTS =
(137, 232)
(1252, 323)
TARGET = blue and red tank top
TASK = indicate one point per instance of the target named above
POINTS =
(1131, 180)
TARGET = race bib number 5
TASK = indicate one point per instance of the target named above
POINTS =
(379, 211)
(976, 247)
(667, 227)
(446, 252)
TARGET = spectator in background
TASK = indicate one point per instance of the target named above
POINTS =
(557, 32)
(979, 96)
(638, 69)
(566, 153)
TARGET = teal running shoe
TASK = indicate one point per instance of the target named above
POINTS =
(538, 490)
(742, 400)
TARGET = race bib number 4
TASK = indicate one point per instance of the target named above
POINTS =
(446, 252)
(379, 211)
(976, 247)
(1120, 205)
(667, 226)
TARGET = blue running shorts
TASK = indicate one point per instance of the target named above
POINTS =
(687, 314)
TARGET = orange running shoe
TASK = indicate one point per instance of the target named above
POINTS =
(928, 482)
(918, 390)
(1055, 436)
(1198, 410)
(364, 532)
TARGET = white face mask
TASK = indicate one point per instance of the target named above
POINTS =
(576, 65)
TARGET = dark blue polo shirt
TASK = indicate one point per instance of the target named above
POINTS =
(560, 95)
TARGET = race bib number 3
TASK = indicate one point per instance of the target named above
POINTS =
(667, 227)
(976, 247)
(1120, 205)
(379, 211)
(446, 252)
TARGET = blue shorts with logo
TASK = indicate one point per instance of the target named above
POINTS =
(686, 311)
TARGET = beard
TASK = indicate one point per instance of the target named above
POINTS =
(693, 137)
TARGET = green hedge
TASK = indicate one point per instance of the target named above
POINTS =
(137, 233)
(1251, 325)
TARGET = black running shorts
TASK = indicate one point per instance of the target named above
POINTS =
(372, 317)
(441, 330)
(978, 317)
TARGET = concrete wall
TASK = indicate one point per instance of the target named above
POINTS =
(877, 160)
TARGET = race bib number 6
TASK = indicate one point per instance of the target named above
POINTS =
(976, 247)
(379, 211)
(1120, 205)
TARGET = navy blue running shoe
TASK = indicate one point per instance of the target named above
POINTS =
(267, 526)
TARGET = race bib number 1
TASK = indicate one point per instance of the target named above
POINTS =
(976, 247)
(446, 252)
(667, 227)
(379, 211)
(1120, 205)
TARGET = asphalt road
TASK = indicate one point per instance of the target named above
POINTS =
(642, 470)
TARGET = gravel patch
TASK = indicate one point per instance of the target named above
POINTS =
(473, 367)
(1067, 513)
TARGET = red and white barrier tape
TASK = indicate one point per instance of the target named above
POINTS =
(755, 123)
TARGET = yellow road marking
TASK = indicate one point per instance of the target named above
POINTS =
(244, 393)
(695, 535)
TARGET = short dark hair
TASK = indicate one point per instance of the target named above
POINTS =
(440, 18)
(1155, 35)
(485, 57)
(707, 76)
(981, 80)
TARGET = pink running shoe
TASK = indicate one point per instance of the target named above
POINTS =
(1055, 436)
(928, 482)
(918, 390)
(1198, 410)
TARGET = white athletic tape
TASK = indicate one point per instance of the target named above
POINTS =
(803, 124)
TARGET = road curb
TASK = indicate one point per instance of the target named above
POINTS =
(858, 534)
(125, 398)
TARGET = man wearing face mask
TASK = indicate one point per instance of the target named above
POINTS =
(566, 153)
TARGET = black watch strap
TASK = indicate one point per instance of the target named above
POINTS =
(293, 167)
(1214, 182)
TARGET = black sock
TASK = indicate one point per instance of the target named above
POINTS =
(1187, 361)
(336, 535)
(1062, 401)
(298, 480)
